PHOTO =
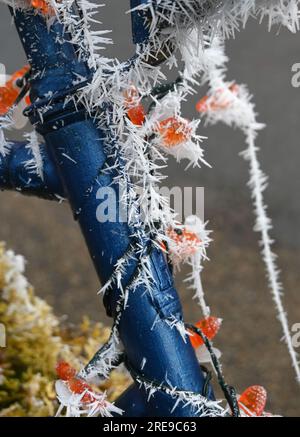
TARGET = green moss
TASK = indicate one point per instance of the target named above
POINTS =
(36, 341)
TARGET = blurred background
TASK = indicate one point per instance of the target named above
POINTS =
(58, 264)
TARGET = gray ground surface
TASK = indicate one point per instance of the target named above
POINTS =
(58, 263)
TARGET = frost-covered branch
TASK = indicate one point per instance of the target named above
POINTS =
(232, 104)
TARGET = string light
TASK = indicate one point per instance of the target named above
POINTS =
(78, 397)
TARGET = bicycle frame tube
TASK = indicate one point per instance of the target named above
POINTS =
(14, 175)
(139, 28)
(76, 147)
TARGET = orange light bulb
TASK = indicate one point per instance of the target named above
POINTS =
(209, 326)
(27, 100)
(9, 93)
(215, 103)
(253, 400)
(174, 131)
(137, 115)
(78, 386)
(41, 5)
(183, 243)
(135, 110)
(179, 235)
(202, 106)
(65, 371)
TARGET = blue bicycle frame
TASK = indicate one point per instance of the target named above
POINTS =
(74, 157)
